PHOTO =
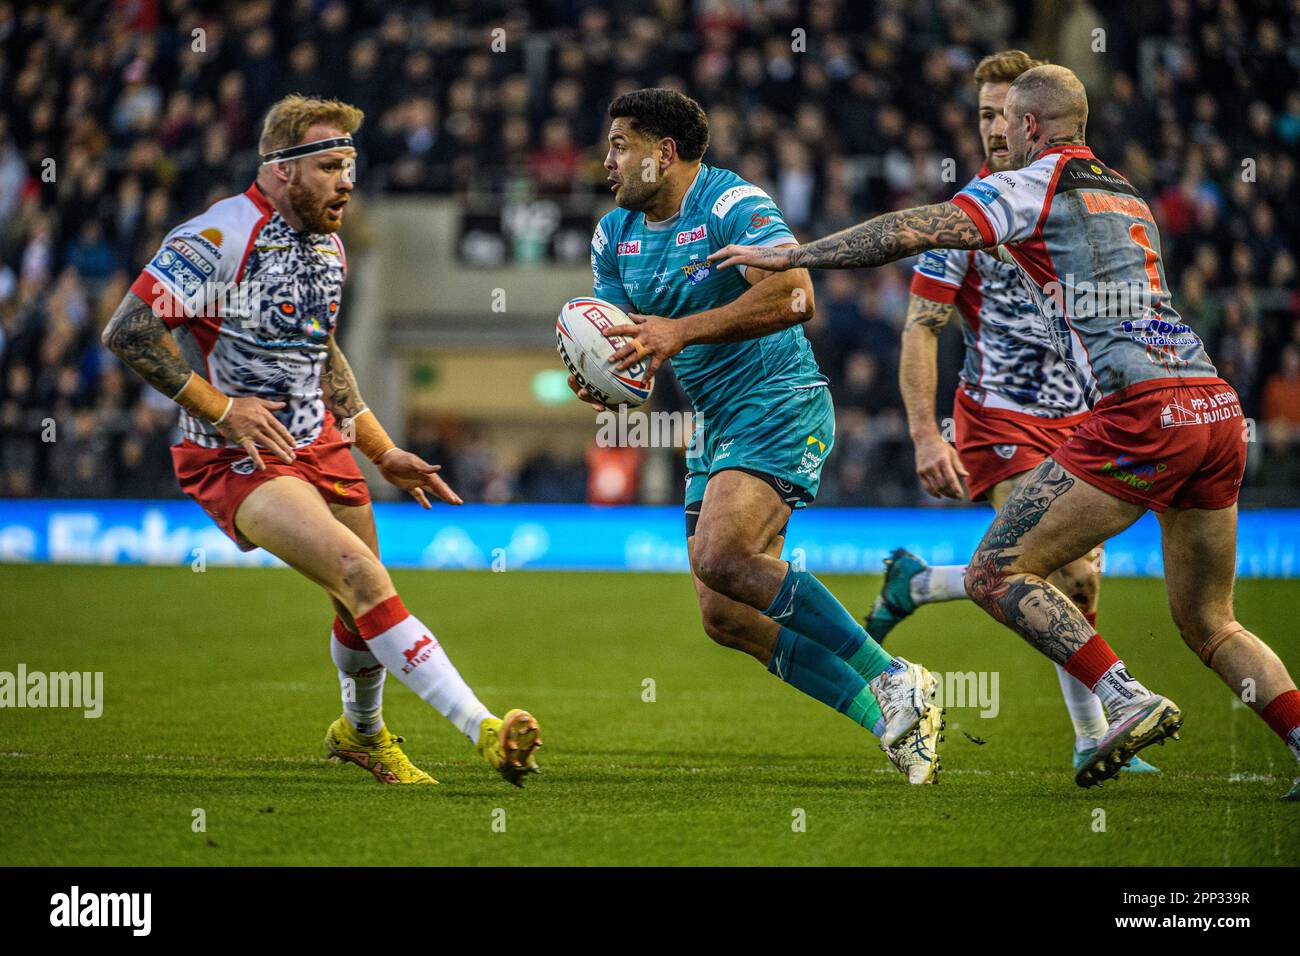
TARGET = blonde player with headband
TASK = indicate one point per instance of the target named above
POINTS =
(260, 385)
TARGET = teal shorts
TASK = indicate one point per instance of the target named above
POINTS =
(783, 438)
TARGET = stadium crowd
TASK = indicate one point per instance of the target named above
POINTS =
(122, 118)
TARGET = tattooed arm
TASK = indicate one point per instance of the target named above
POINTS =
(937, 464)
(141, 340)
(339, 384)
(872, 243)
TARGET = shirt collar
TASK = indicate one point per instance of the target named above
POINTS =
(671, 221)
(254, 192)
(1068, 149)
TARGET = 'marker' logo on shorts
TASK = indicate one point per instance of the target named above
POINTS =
(1135, 475)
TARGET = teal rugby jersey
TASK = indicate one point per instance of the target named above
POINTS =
(659, 268)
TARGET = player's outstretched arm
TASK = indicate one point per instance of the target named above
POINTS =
(400, 468)
(140, 339)
(885, 238)
(770, 304)
(937, 464)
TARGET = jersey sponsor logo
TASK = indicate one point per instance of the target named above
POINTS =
(982, 193)
(696, 272)
(1102, 202)
(1159, 333)
(1006, 452)
(734, 195)
(932, 263)
(630, 248)
(1004, 178)
(690, 235)
(598, 240)
(758, 220)
(242, 467)
(212, 237)
(187, 248)
(178, 271)
(1078, 173)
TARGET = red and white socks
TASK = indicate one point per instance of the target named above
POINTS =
(1283, 715)
(400, 642)
(361, 678)
(1096, 666)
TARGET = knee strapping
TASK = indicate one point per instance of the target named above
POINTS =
(1217, 640)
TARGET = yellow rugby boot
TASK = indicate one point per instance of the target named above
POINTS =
(377, 753)
(507, 744)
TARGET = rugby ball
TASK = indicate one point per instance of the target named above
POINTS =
(580, 339)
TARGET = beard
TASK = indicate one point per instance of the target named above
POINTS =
(637, 195)
(999, 164)
(311, 210)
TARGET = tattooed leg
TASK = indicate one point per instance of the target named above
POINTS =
(1050, 520)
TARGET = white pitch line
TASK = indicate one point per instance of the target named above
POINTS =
(875, 771)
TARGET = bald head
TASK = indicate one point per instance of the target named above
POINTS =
(1046, 106)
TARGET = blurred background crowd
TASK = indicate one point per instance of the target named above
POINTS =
(120, 119)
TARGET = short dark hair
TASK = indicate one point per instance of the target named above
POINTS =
(660, 112)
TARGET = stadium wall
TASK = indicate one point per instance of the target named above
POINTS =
(578, 537)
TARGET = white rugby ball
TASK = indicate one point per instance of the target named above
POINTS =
(580, 339)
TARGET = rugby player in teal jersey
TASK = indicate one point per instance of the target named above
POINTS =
(764, 418)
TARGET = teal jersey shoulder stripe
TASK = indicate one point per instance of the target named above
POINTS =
(662, 269)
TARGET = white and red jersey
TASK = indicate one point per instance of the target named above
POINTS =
(1010, 363)
(251, 302)
(1088, 250)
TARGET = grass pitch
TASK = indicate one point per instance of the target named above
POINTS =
(218, 689)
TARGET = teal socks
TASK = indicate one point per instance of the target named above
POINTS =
(803, 604)
(807, 666)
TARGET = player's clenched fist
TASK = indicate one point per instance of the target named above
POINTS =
(413, 474)
(249, 422)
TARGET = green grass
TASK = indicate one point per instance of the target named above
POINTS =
(219, 688)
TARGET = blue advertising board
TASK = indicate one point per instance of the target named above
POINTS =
(579, 537)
